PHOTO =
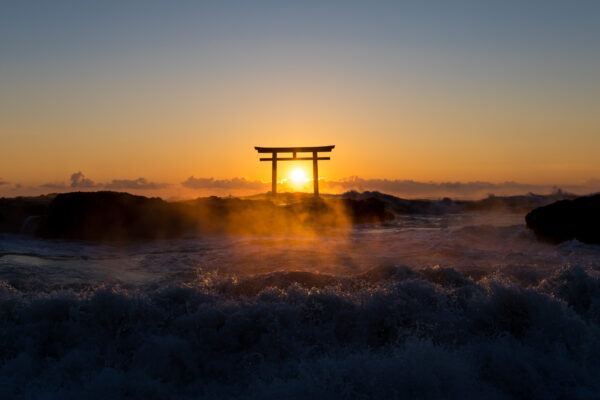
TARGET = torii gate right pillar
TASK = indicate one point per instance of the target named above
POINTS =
(315, 173)
(274, 175)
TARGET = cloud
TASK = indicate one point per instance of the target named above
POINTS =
(476, 189)
(401, 188)
(593, 183)
(139, 184)
(234, 183)
(397, 187)
(3, 182)
(78, 180)
(54, 186)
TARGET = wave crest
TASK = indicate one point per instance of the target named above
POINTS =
(392, 331)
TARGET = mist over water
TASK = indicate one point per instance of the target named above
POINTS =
(465, 305)
(473, 243)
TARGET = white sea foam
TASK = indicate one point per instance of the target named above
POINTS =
(463, 306)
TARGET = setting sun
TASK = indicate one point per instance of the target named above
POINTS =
(298, 176)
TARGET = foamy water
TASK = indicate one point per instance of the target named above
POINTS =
(454, 306)
(475, 242)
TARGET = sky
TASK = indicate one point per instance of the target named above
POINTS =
(148, 95)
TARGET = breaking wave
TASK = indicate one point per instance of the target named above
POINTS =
(388, 332)
(453, 306)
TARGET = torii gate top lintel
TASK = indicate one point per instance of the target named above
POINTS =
(294, 150)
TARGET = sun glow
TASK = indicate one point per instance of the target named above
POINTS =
(298, 176)
(297, 180)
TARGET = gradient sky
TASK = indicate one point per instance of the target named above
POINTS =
(423, 90)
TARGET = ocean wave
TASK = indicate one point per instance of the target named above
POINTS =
(389, 332)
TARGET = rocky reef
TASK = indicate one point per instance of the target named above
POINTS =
(567, 219)
(109, 215)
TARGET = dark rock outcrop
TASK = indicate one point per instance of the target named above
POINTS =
(111, 215)
(367, 211)
(121, 216)
(567, 219)
(16, 211)
(118, 216)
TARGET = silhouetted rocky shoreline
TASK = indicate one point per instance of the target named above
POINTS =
(106, 215)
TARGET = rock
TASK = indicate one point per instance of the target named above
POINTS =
(110, 215)
(17, 215)
(118, 216)
(567, 219)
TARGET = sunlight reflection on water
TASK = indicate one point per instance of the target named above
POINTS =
(473, 241)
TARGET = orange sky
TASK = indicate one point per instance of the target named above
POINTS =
(403, 93)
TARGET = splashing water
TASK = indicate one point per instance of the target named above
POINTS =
(455, 306)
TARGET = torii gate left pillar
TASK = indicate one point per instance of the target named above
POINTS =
(294, 150)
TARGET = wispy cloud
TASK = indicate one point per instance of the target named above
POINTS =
(234, 183)
(80, 181)
(241, 186)
(476, 189)
(134, 184)
(54, 186)
(402, 188)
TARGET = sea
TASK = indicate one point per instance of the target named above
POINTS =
(455, 306)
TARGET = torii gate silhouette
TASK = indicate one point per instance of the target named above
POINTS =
(294, 150)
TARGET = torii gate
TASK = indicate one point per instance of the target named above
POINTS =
(294, 150)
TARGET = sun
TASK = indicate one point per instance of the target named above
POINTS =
(297, 175)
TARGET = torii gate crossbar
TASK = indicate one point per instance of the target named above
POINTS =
(294, 150)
